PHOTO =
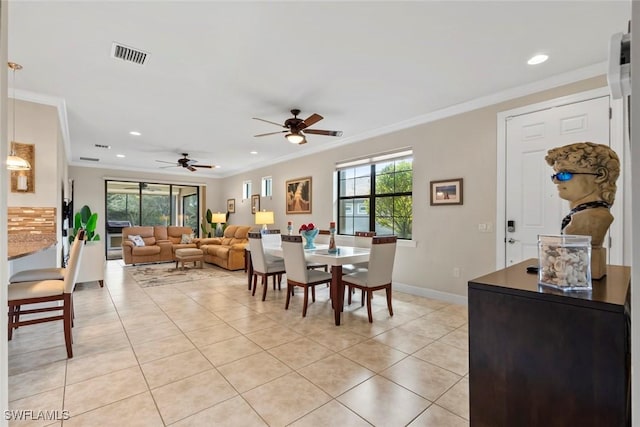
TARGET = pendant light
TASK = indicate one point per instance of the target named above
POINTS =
(14, 162)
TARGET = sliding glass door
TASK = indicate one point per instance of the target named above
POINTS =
(144, 203)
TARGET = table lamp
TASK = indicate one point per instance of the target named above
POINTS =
(263, 218)
(219, 219)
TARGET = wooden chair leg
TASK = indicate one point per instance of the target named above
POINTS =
(306, 300)
(362, 298)
(289, 292)
(388, 289)
(369, 296)
(10, 322)
(68, 338)
(348, 295)
(265, 285)
(313, 294)
(255, 284)
(16, 316)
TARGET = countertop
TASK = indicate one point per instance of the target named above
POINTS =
(23, 244)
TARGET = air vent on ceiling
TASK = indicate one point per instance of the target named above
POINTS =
(102, 146)
(128, 54)
(90, 159)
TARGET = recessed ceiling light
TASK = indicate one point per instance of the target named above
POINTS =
(135, 133)
(122, 156)
(537, 59)
(254, 152)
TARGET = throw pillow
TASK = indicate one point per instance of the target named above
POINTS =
(187, 238)
(137, 240)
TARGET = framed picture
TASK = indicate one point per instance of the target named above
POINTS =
(231, 205)
(298, 193)
(447, 192)
(255, 203)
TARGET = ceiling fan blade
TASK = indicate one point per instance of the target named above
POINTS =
(191, 168)
(267, 121)
(324, 132)
(272, 133)
(162, 161)
(201, 166)
(312, 119)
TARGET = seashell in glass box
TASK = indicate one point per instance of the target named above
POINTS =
(565, 262)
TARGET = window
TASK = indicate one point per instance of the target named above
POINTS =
(266, 187)
(376, 194)
(246, 189)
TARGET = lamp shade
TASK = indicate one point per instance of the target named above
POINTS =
(264, 217)
(219, 218)
(15, 163)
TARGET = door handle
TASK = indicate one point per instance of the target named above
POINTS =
(511, 240)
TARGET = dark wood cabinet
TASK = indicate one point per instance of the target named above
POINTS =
(541, 357)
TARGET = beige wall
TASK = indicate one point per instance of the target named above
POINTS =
(447, 237)
(38, 124)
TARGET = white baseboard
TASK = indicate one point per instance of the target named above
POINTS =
(430, 293)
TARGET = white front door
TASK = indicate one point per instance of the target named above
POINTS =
(532, 203)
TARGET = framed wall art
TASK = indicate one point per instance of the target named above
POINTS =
(255, 203)
(231, 205)
(446, 192)
(298, 193)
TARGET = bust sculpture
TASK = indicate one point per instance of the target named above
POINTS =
(586, 174)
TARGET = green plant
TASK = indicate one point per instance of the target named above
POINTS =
(87, 220)
(209, 227)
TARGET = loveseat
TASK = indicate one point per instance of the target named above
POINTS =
(159, 243)
(227, 251)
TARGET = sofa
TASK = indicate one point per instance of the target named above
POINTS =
(227, 251)
(159, 243)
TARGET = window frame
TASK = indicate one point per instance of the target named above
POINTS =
(357, 208)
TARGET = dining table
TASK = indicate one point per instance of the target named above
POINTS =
(344, 255)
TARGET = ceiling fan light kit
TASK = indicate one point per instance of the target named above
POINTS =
(294, 138)
(298, 128)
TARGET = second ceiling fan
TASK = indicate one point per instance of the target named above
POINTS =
(296, 128)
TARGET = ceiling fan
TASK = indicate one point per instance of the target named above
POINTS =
(296, 128)
(185, 162)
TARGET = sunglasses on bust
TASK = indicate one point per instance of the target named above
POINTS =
(563, 176)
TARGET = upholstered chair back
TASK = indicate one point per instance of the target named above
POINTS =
(383, 253)
(294, 262)
(257, 253)
(75, 256)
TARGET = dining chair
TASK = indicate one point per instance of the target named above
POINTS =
(378, 275)
(361, 239)
(297, 272)
(264, 265)
(44, 291)
(323, 237)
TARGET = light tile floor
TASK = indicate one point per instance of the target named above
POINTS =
(208, 353)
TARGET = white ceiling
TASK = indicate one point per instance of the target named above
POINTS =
(367, 67)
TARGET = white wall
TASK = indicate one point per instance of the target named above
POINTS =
(635, 200)
(4, 190)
